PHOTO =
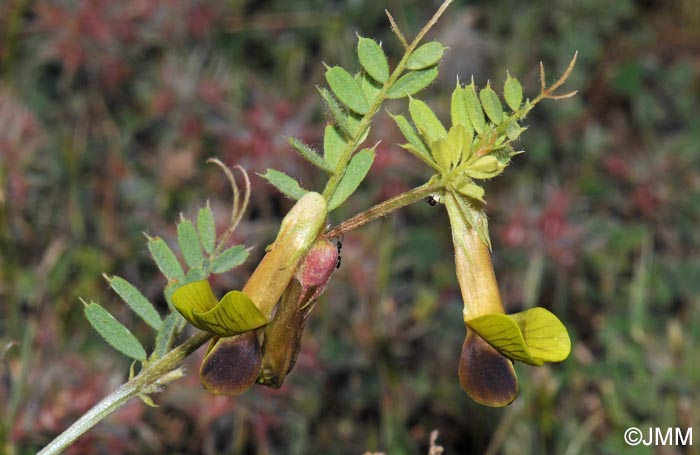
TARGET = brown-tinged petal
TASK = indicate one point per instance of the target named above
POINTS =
(485, 374)
(232, 364)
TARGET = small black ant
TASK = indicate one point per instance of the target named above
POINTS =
(340, 247)
(431, 201)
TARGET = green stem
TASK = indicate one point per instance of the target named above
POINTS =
(352, 145)
(152, 376)
(385, 208)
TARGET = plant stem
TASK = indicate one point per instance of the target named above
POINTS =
(148, 378)
(384, 208)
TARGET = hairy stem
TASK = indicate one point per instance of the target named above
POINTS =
(384, 208)
(147, 379)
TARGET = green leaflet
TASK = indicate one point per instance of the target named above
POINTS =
(413, 139)
(164, 339)
(513, 92)
(235, 313)
(354, 121)
(188, 240)
(456, 143)
(229, 258)
(484, 168)
(165, 259)
(369, 86)
(426, 121)
(413, 82)
(470, 189)
(534, 336)
(341, 119)
(428, 160)
(426, 55)
(458, 110)
(476, 114)
(354, 174)
(285, 184)
(373, 59)
(333, 144)
(207, 228)
(136, 301)
(310, 155)
(441, 153)
(196, 274)
(514, 130)
(492, 105)
(114, 332)
(347, 90)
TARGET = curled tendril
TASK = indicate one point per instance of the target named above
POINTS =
(239, 207)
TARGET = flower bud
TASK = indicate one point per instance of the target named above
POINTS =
(318, 264)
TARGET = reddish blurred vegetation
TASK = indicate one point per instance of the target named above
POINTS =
(109, 109)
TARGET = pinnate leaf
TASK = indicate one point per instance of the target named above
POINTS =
(114, 332)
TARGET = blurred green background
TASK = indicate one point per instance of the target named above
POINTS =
(109, 109)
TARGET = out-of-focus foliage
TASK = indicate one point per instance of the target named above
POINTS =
(108, 110)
